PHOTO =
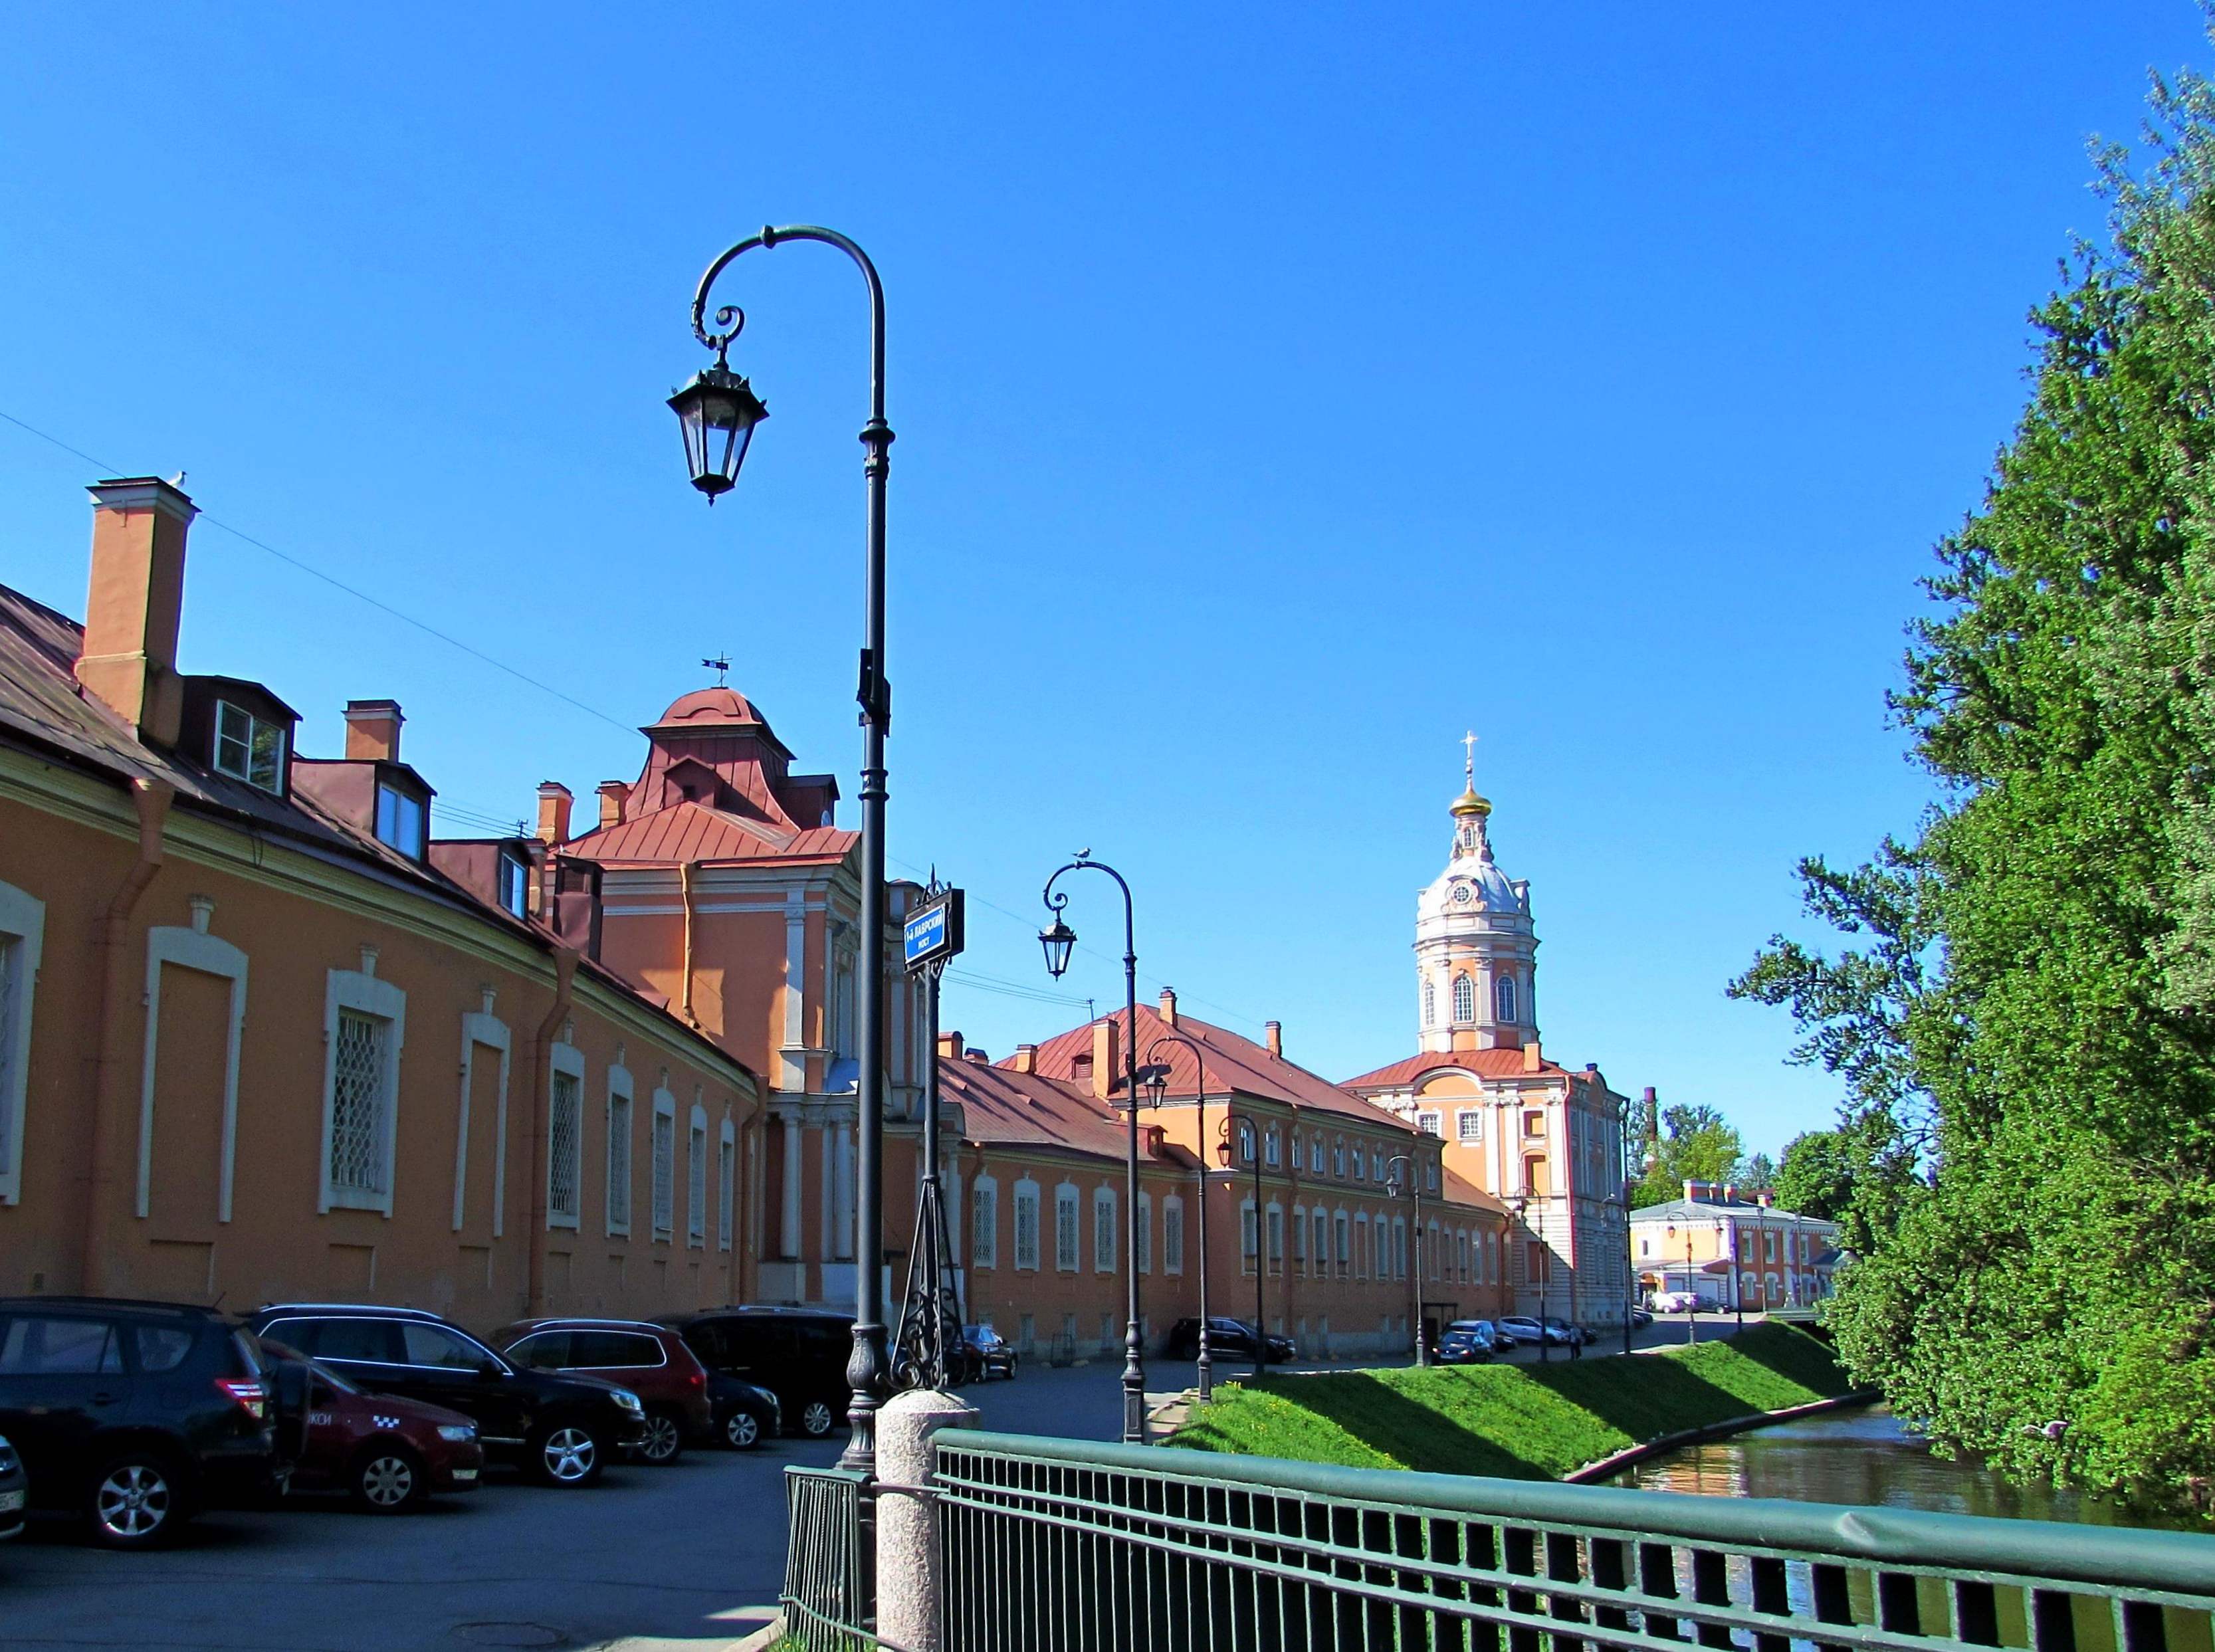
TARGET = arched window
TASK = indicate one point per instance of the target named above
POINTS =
(1464, 998)
(1503, 998)
(1430, 1003)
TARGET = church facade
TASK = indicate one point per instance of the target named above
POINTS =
(1545, 1139)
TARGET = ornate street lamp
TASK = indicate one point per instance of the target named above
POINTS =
(1157, 1083)
(1398, 1163)
(718, 412)
(1249, 1134)
(1058, 939)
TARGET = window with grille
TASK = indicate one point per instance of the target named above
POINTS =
(1430, 1004)
(1145, 1233)
(1276, 1230)
(1431, 1124)
(664, 1172)
(1464, 998)
(358, 1102)
(1173, 1236)
(727, 1174)
(1103, 1231)
(618, 1164)
(1026, 1226)
(985, 1225)
(564, 1140)
(1468, 1125)
(696, 1185)
(1503, 998)
(1065, 1229)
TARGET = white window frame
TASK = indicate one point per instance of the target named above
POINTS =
(662, 1216)
(1430, 1003)
(1342, 1230)
(482, 1027)
(1469, 1127)
(1319, 1260)
(520, 907)
(253, 723)
(362, 992)
(195, 949)
(1270, 1152)
(1337, 1158)
(1299, 1237)
(984, 1222)
(23, 924)
(1431, 1122)
(1145, 1233)
(566, 1060)
(1464, 1000)
(1028, 1196)
(1272, 1235)
(620, 1087)
(1249, 1237)
(1105, 1225)
(727, 1183)
(1173, 1234)
(1068, 1257)
(1314, 1154)
(1503, 1000)
(696, 1179)
(402, 799)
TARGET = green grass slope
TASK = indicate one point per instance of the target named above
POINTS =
(1533, 1422)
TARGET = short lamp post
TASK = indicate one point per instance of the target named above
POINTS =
(1059, 940)
(1691, 1290)
(1250, 1137)
(1157, 1084)
(1398, 1165)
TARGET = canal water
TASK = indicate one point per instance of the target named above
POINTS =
(1863, 1456)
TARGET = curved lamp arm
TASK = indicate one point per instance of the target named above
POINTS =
(732, 320)
(1057, 903)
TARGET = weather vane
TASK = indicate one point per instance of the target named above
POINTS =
(721, 665)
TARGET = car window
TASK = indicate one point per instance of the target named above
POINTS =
(749, 1342)
(822, 1341)
(545, 1350)
(436, 1345)
(368, 1342)
(705, 1338)
(42, 1347)
(613, 1349)
(161, 1348)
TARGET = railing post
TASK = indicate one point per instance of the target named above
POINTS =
(910, 1559)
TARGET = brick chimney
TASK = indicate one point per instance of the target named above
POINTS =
(949, 1046)
(554, 801)
(135, 598)
(373, 730)
(1106, 1060)
(1534, 1058)
(1168, 1006)
(1026, 1057)
(1273, 1034)
(614, 796)
(1692, 1191)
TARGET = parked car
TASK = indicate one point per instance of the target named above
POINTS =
(649, 1359)
(1639, 1319)
(798, 1354)
(1502, 1337)
(1561, 1334)
(14, 1494)
(986, 1355)
(746, 1413)
(559, 1427)
(1225, 1337)
(1467, 1342)
(389, 1453)
(1522, 1328)
(134, 1415)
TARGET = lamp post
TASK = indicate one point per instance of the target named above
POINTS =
(1158, 1083)
(1622, 1196)
(718, 412)
(1692, 1312)
(1250, 1133)
(1396, 1166)
(1520, 1204)
(1058, 939)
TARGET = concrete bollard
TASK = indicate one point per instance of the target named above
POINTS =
(911, 1570)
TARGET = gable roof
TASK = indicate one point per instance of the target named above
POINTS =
(691, 831)
(1484, 1064)
(1000, 1105)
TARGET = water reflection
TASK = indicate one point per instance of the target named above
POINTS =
(1867, 1457)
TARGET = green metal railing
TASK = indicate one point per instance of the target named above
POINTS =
(1066, 1546)
(827, 1599)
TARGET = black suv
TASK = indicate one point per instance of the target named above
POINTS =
(559, 1427)
(1234, 1338)
(798, 1354)
(136, 1415)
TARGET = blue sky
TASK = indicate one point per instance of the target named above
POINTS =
(1279, 391)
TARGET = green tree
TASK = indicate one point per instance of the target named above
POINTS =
(1759, 1174)
(2025, 1011)
(1859, 1176)
(1695, 1145)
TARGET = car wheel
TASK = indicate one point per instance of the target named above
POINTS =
(136, 1502)
(566, 1454)
(388, 1479)
(665, 1439)
(818, 1419)
(742, 1431)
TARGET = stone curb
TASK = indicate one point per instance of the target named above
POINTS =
(1622, 1460)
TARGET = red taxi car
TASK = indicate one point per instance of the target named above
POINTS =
(389, 1452)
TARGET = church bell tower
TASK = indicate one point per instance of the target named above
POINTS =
(1474, 948)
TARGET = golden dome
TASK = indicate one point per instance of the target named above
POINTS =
(1470, 802)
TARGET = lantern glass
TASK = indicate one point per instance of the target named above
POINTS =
(716, 413)
(1057, 942)
(1157, 1082)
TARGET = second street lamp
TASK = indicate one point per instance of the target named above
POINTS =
(1058, 940)
(718, 412)
(1157, 1082)
(1404, 1164)
(1250, 1138)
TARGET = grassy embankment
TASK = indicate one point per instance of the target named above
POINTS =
(1528, 1422)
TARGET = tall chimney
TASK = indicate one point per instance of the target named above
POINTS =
(554, 801)
(1168, 1006)
(373, 730)
(1026, 1057)
(136, 597)
(1105, 1061)
(614, 796)
(949, 1046)
(1533, 1057)
(1273, 1034)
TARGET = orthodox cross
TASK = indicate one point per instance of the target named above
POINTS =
(721, 665)
(1469, 765)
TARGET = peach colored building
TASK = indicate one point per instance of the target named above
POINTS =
(263, 1035)
(1736, 1247)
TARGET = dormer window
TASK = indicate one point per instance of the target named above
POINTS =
(514, 884)
(248, 748)
(400, 821)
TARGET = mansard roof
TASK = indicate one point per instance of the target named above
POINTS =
(692, 832)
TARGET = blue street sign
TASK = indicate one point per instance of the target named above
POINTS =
(933, 933)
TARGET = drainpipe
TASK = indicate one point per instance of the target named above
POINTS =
(109, 1057)
(542, 1057)
(684, 884)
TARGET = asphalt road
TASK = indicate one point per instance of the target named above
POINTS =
(678, 1556)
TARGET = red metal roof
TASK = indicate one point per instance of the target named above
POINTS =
(705, 708)
(1485, 1064)
(999, 1104)
(686, 832)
